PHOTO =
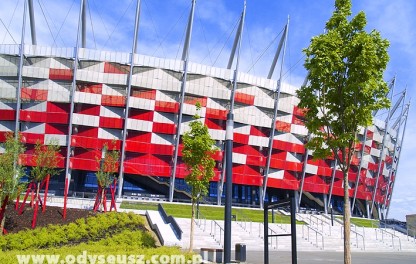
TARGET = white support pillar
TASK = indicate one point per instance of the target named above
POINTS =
(276, 106)
(72, 95)
(185, 58)
(127, 109)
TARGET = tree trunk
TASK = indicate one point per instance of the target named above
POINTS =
(3, 214)
(347, 223)
(191, 238)
(102, 200)
(37, 192)
(3, 222)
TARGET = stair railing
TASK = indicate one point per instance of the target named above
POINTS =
(320, 223)
(217, 232)
(244, 221)
(274, 236)
(307, 235)
(388, 235)
(201, 220)
(354, 231)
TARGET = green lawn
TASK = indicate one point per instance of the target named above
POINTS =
(208, 212)
(362, 222)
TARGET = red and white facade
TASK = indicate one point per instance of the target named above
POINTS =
(99, 95)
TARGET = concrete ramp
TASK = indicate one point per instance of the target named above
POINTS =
(163, 230)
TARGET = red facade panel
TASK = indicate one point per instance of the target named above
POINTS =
(169, 107)
(34, 94)
(60, 74)
(7, 114)
(111, 122)
(244, 98)
(113, 100)
(216, 113)
(164, 128)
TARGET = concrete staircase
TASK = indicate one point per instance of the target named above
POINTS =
(317, 234)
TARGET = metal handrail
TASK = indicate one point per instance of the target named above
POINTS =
(214, 227)
(319, 222)
(309, 228)
(242, 220)
(274, 233)
(356, 235)
(383, 231)
(201, 220)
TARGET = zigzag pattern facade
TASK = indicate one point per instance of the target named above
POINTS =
(100, 104)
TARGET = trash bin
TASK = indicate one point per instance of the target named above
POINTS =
(240, 252)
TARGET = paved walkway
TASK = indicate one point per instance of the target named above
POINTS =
(257, 257)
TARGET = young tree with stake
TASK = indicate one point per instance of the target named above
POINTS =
(197, 152)
(108, 165)
(46, 160)
(11, 171)
(345, 85)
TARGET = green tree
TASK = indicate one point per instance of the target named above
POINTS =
(11, 171)
(46, 159)
(108, 166)
(198, 148)
(346, 85)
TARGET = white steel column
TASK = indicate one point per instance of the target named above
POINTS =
(276, 106)
(380, 161)
(72, 95)
(398, 158)
(32, 22)
(237, 41)
(395, 153)
(20, 77)
(185, 59)
(359, 169)
(127, 109)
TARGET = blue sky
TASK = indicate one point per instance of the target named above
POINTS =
(163, 23)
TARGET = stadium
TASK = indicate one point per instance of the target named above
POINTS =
(83, 98)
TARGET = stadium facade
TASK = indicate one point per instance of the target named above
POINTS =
(83, 98)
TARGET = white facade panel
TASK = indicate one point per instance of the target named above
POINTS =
(8, 71)
(7, 106)
(166, 118)
(311, 169)
(139, 125)
(217, 134)
(141, 103)
(7, 92)
(87, 98)
(35, 72)
(107, 90)
(377, 137)
(299, 130)
(109, 111)
(287, 137)
(276, 174)
(265, 102)
(35, 106)
(162, 139)
(242, 129)
(108, 133)
(58, 96)
(37, 128)
(86, 120)
(239, 158)
(258, 141)
(375, 152)
(58, 139)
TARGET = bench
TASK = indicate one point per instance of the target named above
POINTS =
(212, 254)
